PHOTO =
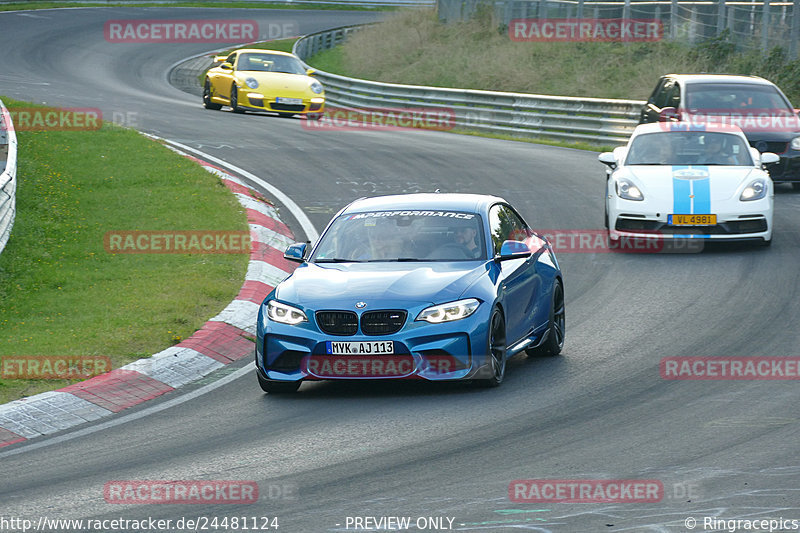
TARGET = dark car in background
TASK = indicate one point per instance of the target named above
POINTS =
(751, 103)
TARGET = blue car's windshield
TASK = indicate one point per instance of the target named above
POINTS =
(403, 236)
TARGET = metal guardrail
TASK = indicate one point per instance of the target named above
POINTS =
(8, 175)
(562, 118)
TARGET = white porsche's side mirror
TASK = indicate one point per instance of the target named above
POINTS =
(607, 158)
(768, 158)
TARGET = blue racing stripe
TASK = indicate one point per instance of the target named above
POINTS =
(702, 196)
(681, 190)
(691, 194)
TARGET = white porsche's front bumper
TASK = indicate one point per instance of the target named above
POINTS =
(736, 220)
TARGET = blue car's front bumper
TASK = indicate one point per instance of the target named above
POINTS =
(445, 351)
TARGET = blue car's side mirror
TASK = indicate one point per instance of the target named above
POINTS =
(296, 252)
(513, 250)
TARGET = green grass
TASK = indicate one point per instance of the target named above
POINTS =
(412, 47)
(33, 4)
(61, 293)
(577, 145)
(331, 60)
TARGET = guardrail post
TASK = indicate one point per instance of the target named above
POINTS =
(795, 35)
(732, 21)
(8, 176)
(764, 26)
(721, 17)
(673, 20)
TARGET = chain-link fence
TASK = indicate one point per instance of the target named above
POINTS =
(764, 24)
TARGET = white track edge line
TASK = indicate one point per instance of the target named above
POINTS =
(248, 369)
(297, 212)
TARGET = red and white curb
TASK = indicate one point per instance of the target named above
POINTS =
(225, 338)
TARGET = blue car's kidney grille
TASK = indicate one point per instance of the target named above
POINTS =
(382, 322)
(337, 322)
(372, 322)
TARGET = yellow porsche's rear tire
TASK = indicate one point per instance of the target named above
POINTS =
(235, 100)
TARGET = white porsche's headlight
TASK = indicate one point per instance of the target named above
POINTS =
(627, 190)
(449, 311)
(755, 191)
(252, 83)
(796, 143)
(316, 87)
(285, 314)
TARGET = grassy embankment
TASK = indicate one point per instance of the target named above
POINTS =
(413, 47)
(61, 293)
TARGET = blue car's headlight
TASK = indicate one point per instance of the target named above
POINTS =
(252, 83)
(449, 311)
(627, 190)
(755, 191)
(285, 314)
(316, 87)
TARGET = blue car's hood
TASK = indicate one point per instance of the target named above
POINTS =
(320, 286)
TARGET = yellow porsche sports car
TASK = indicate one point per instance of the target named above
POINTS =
(263, 80)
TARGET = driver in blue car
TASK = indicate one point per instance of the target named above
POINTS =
(465, 237)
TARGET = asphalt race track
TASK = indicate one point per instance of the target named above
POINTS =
(725, 449)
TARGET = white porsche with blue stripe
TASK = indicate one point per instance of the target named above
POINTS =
(685, 181)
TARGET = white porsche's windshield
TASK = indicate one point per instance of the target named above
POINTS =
(689, 148)
(403, 236)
